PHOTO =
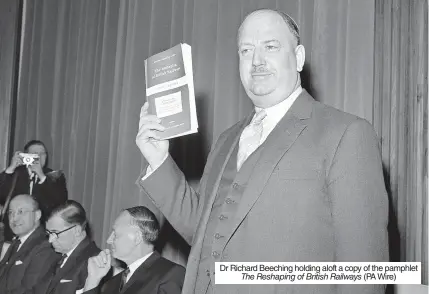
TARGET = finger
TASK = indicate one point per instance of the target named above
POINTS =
(152, 126)
(98, 261)
(148, 135)
(103, 257)
(149, 118)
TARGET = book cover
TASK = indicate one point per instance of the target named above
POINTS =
(170, 90)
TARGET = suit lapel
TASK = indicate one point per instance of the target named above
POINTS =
(33, 240)
(275, 147)
(142, 275)
(75, 258)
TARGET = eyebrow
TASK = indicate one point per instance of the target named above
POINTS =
(264, 42)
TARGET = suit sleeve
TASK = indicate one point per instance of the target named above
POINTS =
(38, 270)
(174, 283)
(5, 185)
(174, 197)
(359, 202)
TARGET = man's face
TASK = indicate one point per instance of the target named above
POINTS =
(23, 218)
(39, 150)
(270, 61)
(67, 239)
(124, 237)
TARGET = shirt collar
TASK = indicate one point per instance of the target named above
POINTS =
(276, 112)
(71, 251)
(25, 237)
(133, 267)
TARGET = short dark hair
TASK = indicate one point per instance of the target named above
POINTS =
(34, 142)
(37, 142)
(290, 22)
(71, 212)
(146, 221)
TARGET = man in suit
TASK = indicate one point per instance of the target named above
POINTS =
(132, 240)
(66, 229)
(46, 185)
(30, 256)
(295, 181)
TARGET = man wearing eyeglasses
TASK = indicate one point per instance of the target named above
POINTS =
(30, 256)
(66, 228)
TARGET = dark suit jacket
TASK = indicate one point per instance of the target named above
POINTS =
(29, 265)
(72, 276)
(316, 194)
(51, 193)
(156, 275)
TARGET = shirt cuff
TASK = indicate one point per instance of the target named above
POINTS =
(151, 170)
(79, 291)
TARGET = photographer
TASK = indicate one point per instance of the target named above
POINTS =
(35, 178)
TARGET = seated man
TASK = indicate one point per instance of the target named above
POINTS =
(37, 179)
(132, 238)
(30, 256)
(66, 230)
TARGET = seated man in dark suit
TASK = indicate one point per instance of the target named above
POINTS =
(30, 256)
(66, 230)
(47, 186)
(132, 238)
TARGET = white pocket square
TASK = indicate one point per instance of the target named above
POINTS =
(18, 262)
(65, 281)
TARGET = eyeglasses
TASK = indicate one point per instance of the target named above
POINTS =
(56, 234)
(18, 212)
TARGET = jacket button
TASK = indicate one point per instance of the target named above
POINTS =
(215, 254)
(218, 236)
(235, 185)
(222, 217)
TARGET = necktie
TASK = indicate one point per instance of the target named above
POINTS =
(13, 249)
(60, 263)
(250, 138)
(125, 273)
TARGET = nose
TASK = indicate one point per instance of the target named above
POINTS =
(258, 58)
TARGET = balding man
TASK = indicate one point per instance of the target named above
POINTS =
(132, 240)
(295, 181)
(30, 256)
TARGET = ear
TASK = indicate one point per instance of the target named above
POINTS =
(38, 214)
(139, 237)
(300, 57)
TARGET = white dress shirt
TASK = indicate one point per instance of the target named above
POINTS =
(134, 266)
(69, 253)
(25, 237)
(276, 112)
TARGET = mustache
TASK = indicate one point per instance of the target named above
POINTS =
(260, 69)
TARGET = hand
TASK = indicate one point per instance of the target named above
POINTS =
(151, 146)
(16, 161)
(98, 267)
(37, 169)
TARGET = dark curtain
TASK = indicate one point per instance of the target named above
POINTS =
(82, 83)
(10, 20)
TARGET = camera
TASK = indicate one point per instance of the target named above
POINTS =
(29, 158)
